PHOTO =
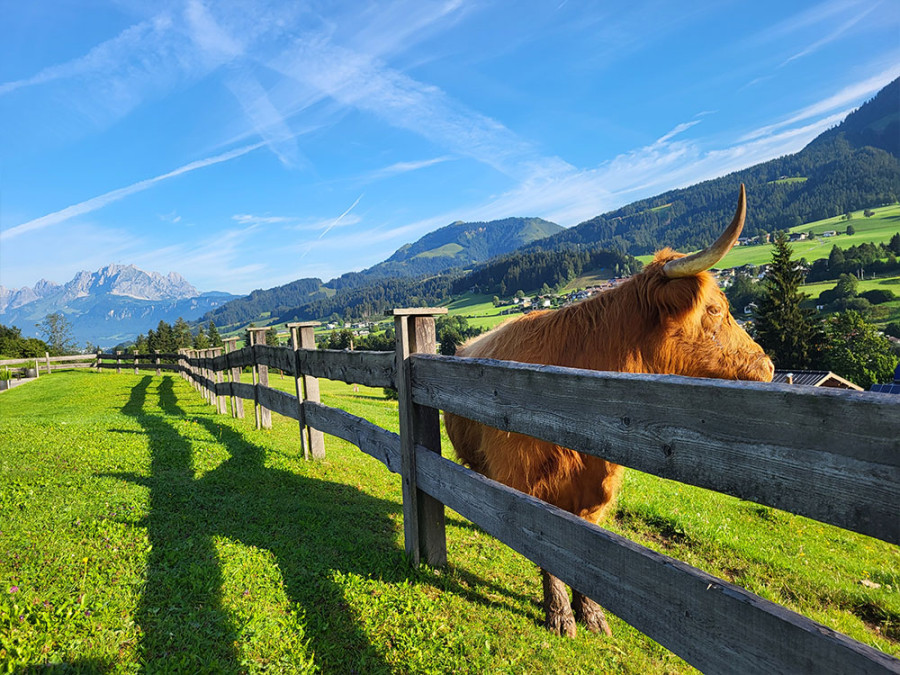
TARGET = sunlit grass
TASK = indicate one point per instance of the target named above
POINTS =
(141, 531)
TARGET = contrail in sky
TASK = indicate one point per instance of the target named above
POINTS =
(95, 203)
(340, 217)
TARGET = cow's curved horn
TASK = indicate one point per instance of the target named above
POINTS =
(703, 260)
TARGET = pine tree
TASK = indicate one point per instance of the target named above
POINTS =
(200, 340)
(165, 339)
(181, 335)
(788, 332)
(215, 340)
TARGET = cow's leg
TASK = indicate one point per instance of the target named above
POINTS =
(589, 613)
(560, 619)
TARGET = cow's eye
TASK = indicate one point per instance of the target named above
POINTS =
(714, 310)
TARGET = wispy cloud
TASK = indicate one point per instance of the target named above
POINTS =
(108, 55)
(684, 126)
(832, 36)
(812, 17)
(405, 167)
(107, 198)
(840, 100)
(250, 219)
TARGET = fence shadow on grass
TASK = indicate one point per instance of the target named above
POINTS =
(313, 528)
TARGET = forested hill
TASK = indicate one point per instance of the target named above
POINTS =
(458, 245)
(273, 300)
(852, 166)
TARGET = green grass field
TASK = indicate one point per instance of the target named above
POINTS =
(143, 532)
(876, 229)
(478, 310)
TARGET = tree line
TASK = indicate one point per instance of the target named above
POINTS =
(797, 339)
(169, 338)
(866, 258)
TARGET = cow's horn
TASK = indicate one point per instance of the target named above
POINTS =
(703, 260)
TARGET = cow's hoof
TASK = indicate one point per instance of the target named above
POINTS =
(561, 624)
(589, 613)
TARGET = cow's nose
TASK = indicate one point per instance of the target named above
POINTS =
(769, 368)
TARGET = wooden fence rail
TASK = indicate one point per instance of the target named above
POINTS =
(829, 455)
(48, 363)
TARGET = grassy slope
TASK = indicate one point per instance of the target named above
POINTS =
(877, 229)
(142, 531)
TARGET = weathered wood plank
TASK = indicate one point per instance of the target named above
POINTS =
(71, 365)
(372, 369)
(240, 358)
(279, 401)
(113, 356)
(242, 390)
(376, 442)
(714, 625)
(828, 455)
(276, 357)
(142, 366)
(53, 359)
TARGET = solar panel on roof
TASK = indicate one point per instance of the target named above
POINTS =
(886, 388)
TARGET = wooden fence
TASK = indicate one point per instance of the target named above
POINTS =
(49, 363)
(829, 455)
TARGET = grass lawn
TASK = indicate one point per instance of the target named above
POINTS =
(479, 310)
(140, 531)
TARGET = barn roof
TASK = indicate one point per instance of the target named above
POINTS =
(814, 378)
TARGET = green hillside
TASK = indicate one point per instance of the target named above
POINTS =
(877, 229)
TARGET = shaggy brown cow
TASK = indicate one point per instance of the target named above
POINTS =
(671, 318)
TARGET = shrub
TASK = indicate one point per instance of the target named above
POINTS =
(879, 295)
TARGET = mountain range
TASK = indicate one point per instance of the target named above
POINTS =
(108, 306)
(852, 166)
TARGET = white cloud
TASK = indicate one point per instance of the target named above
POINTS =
(832, 36)
(405, 167)
(846, 96)
(250, 219)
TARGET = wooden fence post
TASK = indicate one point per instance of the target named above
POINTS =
(118, 362)
(195, 369)
(47, 356)
(423, 515)
(205, 373)
(237, 403)
(136, 369)
(261, 379)
(218, 378)
(303, 337)
(156, 361)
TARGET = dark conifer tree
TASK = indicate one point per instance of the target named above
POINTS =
(212, 333)
(788, 332)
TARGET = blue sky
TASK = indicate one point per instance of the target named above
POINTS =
(247, 144)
